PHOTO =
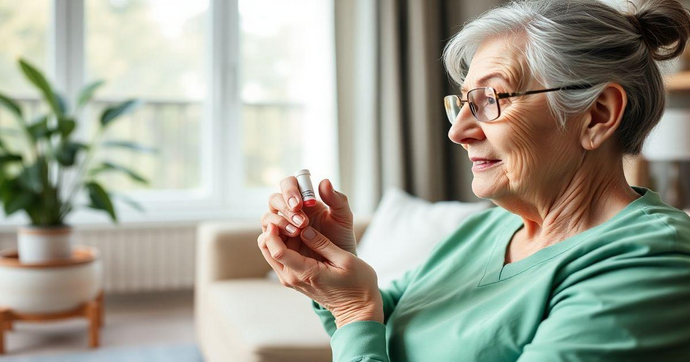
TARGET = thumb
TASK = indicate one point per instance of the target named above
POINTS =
(322, 245)
(337, 202)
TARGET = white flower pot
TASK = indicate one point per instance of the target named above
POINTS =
(53, 287)
(39, 244)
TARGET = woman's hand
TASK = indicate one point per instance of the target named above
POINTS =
(332, 217)
(339, 281)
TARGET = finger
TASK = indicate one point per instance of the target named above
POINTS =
(322, 245)
(280, 252)
(277, 266)
(285, 226)
(337, 202)
(276, 203)
(291, 194)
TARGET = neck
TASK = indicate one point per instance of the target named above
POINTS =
(594, 194)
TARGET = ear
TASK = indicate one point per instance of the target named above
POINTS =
(604, 117)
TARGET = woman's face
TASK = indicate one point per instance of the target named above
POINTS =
(532, 157)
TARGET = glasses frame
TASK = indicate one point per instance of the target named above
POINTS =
(500, 96)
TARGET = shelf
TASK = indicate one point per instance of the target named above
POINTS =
(678, 82)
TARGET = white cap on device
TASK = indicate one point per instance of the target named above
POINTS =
(305, 187)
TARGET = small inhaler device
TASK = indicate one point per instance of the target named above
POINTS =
(305, 187)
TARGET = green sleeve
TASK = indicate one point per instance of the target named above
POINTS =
(624, 309)
(364, 340)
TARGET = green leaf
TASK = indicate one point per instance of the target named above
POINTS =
(66, 153)
(15, 198)
(111, 113)
(39, 128)
(7, 158)
(37, 78)
(100, 199)
(62, 104)
(21, 201)
(3, 146)
(30, 177)
(87, 93)
(11, 106)
(130, 145)
(66, 126)
(8, 188)
(108, 166)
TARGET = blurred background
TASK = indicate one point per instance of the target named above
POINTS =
(234, 98)
(239, 94)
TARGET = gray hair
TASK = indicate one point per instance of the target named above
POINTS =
(586, 41)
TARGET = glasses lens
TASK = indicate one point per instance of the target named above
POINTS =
(453, 105)
(484, 104)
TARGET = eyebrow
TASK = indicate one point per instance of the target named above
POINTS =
(484, 78)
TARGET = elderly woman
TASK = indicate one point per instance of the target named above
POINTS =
(573, 264)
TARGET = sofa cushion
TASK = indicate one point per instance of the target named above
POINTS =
(404, 229)
(252, 310)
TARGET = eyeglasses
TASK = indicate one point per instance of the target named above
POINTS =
(484, 101)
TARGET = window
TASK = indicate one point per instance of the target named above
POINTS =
(24, 32)
(237, 94)
(156, 52)
(286, 115)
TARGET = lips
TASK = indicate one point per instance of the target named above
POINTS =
(482, 159)
(480, 163)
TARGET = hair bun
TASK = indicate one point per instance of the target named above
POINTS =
(664, 26)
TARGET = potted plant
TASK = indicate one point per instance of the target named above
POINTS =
(33, 178)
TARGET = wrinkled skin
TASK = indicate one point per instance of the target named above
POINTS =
(561, 181)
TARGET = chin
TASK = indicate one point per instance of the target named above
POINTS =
(489, 189)
(482, 191)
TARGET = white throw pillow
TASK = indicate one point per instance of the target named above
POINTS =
(404, 229)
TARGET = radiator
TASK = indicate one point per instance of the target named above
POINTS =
(138, 259)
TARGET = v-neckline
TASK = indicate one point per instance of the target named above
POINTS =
(497, 271)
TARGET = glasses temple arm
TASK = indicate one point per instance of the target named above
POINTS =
(517, 94)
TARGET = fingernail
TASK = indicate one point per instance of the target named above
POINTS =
(292, 202)
(297, 219)
(291, 229)
(309, 233)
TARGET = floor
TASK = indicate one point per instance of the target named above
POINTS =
(130, 320)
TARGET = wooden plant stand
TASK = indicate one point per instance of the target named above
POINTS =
(92, 310)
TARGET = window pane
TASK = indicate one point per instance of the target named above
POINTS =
(23, 33)
(154, 50)
(286, 88)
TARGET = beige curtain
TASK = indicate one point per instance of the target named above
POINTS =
(391, 81)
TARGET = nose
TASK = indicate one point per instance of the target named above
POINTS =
(466, 129)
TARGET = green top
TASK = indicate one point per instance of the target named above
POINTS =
(619, 291)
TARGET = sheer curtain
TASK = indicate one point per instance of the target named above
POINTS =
(392, 128)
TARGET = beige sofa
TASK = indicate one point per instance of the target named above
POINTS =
(241, 314)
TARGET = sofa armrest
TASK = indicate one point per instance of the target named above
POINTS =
(228, 250)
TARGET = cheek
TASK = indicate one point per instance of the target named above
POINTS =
(523, 145)
(535, 149)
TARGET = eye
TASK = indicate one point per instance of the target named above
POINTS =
(503, 101)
